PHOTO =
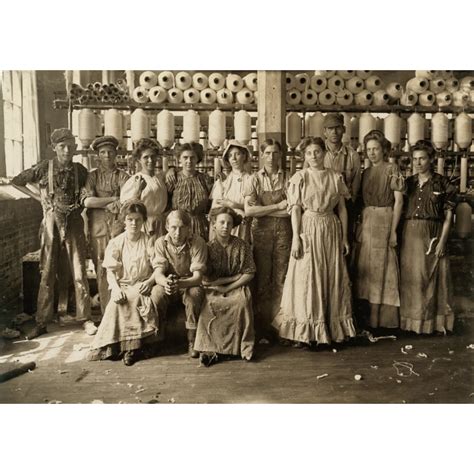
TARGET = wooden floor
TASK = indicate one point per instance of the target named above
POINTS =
(442, 373)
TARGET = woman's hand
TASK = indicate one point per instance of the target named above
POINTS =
(118, 296)
(392, 241)
(440, 249)
(345, 247)
(296, 247)
(282, 205)
(145, 288)
(225, 203)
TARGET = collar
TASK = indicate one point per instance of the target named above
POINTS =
(263, 172)
(59, 165)
(188, 242)
(344, 150)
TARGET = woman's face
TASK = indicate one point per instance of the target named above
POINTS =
(133, 222)
(236, 158)
(421, 161)
(148, 161)
(271, 156)
(374, 151)
(314, 156)
(107, 154)
(223, 225)
(188, 161)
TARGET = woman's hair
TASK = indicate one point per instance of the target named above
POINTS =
(180, 214)
(145, 144)
(196, 148)
(133, 205)
(270, 142)
(306, 142)
(378, 136)
(424, 145)
(217, 211)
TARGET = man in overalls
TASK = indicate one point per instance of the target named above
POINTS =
(179, 262)
(103, 207)
(265, 201)
(61, 184)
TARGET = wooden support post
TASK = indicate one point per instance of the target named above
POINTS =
(271, 108)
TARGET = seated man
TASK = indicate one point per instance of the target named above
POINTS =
(179, 261)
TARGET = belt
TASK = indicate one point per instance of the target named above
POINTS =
(318, 214)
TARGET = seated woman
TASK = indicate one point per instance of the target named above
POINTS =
(130, 320)
(226, 321)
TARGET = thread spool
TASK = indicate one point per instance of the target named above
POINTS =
(130, 78)
(381, 97)
(440, 130)
(309, 97)
(166, 79)
(302, 81)
(346, 137)
(191, 125)
(243, 126)
(148, 79)
(175, 95)
(373, 83)
(336, 83)
(437, 85)
(208, 96)
(165, 129)
(217, 167)
(157, 94)
(217, 132)
(409, 98)
(426, 99)
(416, 128)
(445, 74)
(200, 81)
(344, 97)
(364, 74)
(367, 123)
(289, 81)
(425, 74)
(203, 141)
(326, 74)
(463, 177)
(183, 80)
(293, 129)
(327, 97)
(244, 96)
(224, 96)
(87, 126)
(191, 96)
(392, 128)
(318, 83)
(251, 81)
(444, 99)
(254, 141)
(452, 84)
(394, 91)
(463, 131)
(113, 124)
(379, 124)
(355, 127)
(463, 221)
(315, 125)
(363, 98)
(234, 83)
(140, 95)
(355, 85)
(293, 97)
(467, 82)
(346, 75)
(216, 81)
(460, 98)
(418, 84)
(139, 125)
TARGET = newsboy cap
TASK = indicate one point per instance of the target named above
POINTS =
(105, 140)
(333, 120)
(60, 135)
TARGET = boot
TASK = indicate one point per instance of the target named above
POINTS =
(191, 338)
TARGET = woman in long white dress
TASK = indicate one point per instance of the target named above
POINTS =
(316, 302)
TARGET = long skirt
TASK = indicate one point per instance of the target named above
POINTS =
(127, 326)
(316, 303)
(225, 324)
(377, 271)
(425, 290)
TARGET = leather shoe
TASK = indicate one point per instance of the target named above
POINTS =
(36, 332)
(191, 351)
(128, 358)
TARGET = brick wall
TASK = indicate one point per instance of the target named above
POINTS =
(19, 224)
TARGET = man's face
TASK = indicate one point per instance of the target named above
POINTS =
(271, 156)
(334, 134)
(65, 150)
(107, 154)
(177, 231)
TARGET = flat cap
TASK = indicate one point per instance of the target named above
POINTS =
(60, 135)
(105, 140)
(333, 120)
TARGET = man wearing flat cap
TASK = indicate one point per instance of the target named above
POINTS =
(61, 184)
(344, 159)
(103, 207)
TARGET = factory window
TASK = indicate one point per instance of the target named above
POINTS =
(20, 122)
